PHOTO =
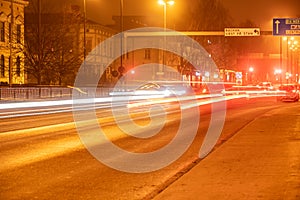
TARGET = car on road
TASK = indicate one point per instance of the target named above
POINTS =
(290, 92)
(266, 85)
(154, 90)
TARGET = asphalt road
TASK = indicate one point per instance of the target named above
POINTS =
(42, 156)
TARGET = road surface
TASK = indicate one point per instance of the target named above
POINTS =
(43, 157)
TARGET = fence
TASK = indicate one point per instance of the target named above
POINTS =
(28, 93)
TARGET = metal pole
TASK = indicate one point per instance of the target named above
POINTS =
(165, 28)
(165, 16)
(39, 38)
(84, 30)
(287, 61)
(121, 29)
(281, 61)
(10, 43)
(297, 65)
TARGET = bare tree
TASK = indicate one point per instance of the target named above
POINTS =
(65, 58)
(50, 44)
(211, 15)
(244, 45)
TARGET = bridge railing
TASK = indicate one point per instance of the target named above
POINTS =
(31, 93)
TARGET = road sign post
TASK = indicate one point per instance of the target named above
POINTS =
(286, 26)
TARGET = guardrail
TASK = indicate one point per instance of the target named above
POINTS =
(30, 93)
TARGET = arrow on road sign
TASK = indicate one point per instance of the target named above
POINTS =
(277, 22)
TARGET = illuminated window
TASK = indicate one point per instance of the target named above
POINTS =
(10, 31)
(88, 45)
(9, 63)
(147, 54)
(2, 66)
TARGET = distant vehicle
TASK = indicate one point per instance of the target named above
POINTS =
(291, 92)
(154, 90)
(239, 90)
(266, 85)
(210, 88)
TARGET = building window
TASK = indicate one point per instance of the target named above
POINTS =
(18, 33)
(10, 32)
(2, 31)
(2, 66)
(9, 65)
(147, 54)
(18, 66)
(88, 46)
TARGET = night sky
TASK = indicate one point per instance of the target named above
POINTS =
(261, 12)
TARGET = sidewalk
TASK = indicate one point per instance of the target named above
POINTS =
(262, 161)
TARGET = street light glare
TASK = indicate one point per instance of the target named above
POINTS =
(171, 3)
(162, 2)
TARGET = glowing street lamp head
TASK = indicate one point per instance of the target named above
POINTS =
(171, 3)
(162, 2)
(277, 71)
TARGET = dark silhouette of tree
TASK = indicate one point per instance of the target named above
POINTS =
(211, 15)
(51, 55)
(244, 45)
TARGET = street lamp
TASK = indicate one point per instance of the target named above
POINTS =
(291, 64)
(293, 51)
(251, 70)
(165, 3)
(277, 73)
(11, 43)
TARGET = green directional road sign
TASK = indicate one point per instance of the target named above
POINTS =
(286, 26)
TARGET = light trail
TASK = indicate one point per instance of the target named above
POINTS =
(71, 143)
(10, 110)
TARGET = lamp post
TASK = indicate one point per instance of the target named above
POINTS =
(121, 39)
(277, 73)
(281, 59)
(294, 65)
(291, 66)
(164, 3)
(84, 29)
(251, 70)
(10, 43)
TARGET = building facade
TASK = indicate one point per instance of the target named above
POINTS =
(11, 41)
